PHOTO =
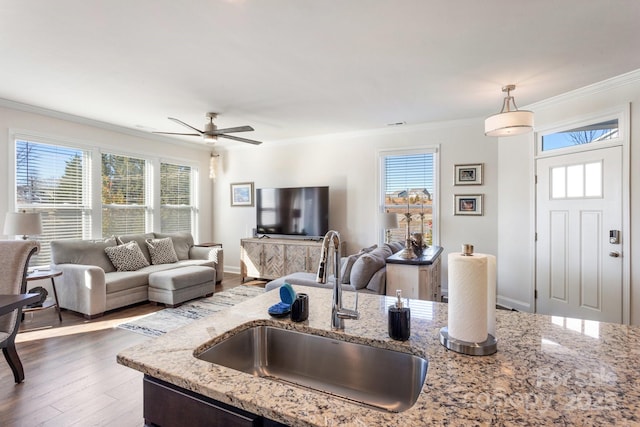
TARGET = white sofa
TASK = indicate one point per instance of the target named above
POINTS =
(91, 285)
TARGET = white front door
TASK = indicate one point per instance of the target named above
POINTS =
(578, 267)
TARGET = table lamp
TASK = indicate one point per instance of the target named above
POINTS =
(389, 222)
(22, 223)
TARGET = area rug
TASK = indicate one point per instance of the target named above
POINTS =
(161, 322)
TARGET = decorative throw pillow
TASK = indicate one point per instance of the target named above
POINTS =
(367, 265)
(162, 251)
(127, 257)
(345, 272)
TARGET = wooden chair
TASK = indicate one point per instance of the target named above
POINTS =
(14, 260)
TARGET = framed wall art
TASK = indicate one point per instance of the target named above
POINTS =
(468, 204)
(470, 174)
(242, 194)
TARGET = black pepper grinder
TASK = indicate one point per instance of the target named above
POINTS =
(399, 320)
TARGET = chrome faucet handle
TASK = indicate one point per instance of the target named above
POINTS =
(346, 313)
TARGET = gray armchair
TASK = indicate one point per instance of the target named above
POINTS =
(14, 259)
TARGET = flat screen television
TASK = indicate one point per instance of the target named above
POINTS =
(296, 211)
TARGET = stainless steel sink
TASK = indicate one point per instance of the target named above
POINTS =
(381, 378)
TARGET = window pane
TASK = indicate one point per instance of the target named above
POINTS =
(176, 208)
(124, 209)
(54, 181)
(593, 179)
(596, 132)
(575, 181)
(408, 186)
(558, 183)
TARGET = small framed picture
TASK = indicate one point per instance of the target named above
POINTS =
(242, 194)
(470, 174)
(468, 204)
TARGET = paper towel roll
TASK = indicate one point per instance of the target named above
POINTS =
(468, 297)
(491, 295)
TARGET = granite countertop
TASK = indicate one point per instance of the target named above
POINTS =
(548, 370)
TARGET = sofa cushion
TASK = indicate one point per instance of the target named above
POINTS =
(396, 246)
(161, 251)
(182, 242)
(345, 272)
(140, 239)
(118, 281)
(366, 266)
(127, 257)
(83, 252)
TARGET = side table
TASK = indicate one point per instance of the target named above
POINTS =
(209, 245)
(417, 278)
(45, 274)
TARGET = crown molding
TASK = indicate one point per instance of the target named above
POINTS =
(629, 78)
(14, 105)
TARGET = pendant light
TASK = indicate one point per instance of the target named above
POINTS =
(509, 121)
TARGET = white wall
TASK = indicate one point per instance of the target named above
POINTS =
(348, 164)
(61, 127)
(516, 205)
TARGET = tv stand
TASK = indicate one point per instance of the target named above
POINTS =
(274, 257)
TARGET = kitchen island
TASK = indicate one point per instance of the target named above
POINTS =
(548, 370)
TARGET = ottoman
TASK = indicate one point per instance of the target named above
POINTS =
(175, 286)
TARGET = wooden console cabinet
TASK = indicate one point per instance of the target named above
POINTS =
(273, 258)
(417, 278)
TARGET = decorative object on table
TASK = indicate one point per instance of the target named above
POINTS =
(399, 319)
(242, 194)
(471, 307)
(509, 121)
(468, 204)
(389, 222)
(414, 242)
(469, 174)
(43, 296)
(300, 308)
(22, 223)
(287, 297)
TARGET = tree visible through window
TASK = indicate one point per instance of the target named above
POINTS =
(53, 180)
(124, 197)
(408, 184)
(176, 205)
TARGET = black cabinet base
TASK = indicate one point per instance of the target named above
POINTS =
(167, 405)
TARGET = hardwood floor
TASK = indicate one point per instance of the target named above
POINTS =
(71, 374)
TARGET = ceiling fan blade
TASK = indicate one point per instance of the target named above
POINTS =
(232, 130)
(235, 138)
(174, 133)
(184, 124)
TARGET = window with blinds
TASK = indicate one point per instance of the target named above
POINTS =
(125, 207)
(408, 186)
(54, 180)
(177, 209)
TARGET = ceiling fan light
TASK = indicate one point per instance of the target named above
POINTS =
(209, 137)
(510, 121)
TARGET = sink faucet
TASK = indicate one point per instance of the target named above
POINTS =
(338, 313)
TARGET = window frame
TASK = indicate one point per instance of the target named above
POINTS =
(429, 149)
(93, 179)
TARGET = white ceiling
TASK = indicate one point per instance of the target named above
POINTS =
(295, 68)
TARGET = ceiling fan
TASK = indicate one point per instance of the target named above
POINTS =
(211, 131)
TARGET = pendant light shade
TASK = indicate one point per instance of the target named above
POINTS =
(509, 121)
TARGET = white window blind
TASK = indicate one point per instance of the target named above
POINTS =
(177, 209)
(53, 180)
(124, 195)
(408, 185)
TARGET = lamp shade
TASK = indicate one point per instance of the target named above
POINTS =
(507, 124)
(22, 223)
(509, 121)
(390, 220)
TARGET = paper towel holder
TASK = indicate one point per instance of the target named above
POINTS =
(485, 348)
(467, 249)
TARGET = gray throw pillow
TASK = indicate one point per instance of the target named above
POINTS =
(345, 271)
(367, 265)
(127, 257)
(161, 251)
(182, 242)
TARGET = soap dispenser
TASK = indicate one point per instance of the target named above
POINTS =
(399, 319)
